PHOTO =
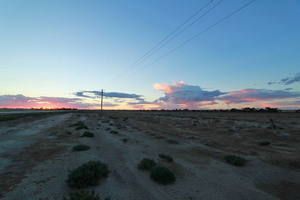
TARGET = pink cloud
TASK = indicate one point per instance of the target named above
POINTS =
(254, 95)
(169, 88)
(21, 101)
(188, 96)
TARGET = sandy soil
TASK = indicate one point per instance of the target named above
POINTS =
(35, 154)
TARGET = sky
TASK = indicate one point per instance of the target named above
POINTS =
(63, 53)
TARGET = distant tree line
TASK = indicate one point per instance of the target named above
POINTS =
(247, 109)
(56, 108)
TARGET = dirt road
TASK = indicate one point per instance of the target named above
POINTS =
(36, 155)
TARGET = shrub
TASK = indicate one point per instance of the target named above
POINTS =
(235, 160)
(171, 141)
(166, 157)
(68, 132)
(87, 174)
(80, 125)
(107, 129)
(146, 163)
(125, 140)
(87, 134)
(114, 132)
(84, 195)
(81, 147)
(162, 175)
(265, 143)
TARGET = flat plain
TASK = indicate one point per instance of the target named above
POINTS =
(36, 154)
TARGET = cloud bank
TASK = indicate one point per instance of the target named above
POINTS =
(194, 97)
(21, 101)
(177, 95)
(252, 95)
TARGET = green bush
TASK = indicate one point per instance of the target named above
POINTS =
(265, 143)
(235, 160)
(107, 129)
(162, 175)
(114, 132)
(68, 132)
(81, 147)
(84, 195)
(80, 125)
(146, 163)
(87, 175)
(166, 157)
(87, 134)
(125, 140)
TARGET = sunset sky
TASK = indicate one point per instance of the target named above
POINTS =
(62, 53)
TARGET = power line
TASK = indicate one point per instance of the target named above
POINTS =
(181, 31)
(165, 38)
(192, 38)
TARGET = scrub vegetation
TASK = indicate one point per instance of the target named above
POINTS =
(162, 175)
(84, 195)
(166, 157)
(81, 147)
(146, 164)
(80, 125)
(87, 134)
(235, 160)
(87, 175)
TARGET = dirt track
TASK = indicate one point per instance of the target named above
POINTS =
(36, 154)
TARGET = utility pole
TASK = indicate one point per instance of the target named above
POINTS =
(101, 99)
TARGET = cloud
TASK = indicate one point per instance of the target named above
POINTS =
(188, 95)
(287, 104)
(97, 94)
(81, 94)
(21, 101)
(253, 95)
(15, 99)
(288, 80)
(140, 102)
(175, 96)
(182, 95)
(122, 95)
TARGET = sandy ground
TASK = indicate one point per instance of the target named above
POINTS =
(35, 154)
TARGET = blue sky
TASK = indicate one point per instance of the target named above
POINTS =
(58, 48)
